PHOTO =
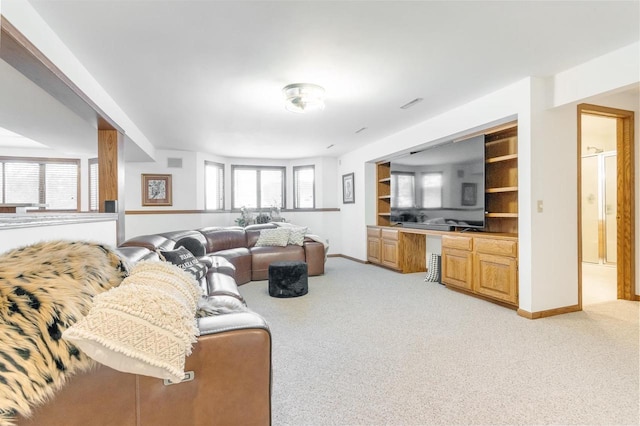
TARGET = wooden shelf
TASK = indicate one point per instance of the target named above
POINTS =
(384, 197)
(501, 189)
(495, 214)
(385, 180)
(384, 214)
(501, 158)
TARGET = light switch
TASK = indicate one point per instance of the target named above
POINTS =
(540, 206)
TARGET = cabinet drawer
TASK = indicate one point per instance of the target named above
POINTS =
(373, 232)
(390, 234)
(457, 242)
(499, 247)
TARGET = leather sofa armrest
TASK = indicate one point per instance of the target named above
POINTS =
(205, 260)
(228, 322)
(231, 367)
(314, 254)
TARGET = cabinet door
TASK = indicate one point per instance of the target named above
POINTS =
(456, 268)
(373, 249)
(496, 277)
(390, 253)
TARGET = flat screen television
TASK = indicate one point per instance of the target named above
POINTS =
(440, 187)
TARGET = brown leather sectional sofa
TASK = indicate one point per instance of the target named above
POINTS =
(230, 363)
(238, 246)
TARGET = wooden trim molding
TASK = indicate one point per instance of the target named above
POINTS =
(549, 312)
(344, 256)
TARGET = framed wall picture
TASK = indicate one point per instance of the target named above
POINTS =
(348, 189)
(156, 190)
(469, 194)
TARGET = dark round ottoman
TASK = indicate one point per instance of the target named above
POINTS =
(288, 279)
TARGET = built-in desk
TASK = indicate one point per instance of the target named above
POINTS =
(480, 263)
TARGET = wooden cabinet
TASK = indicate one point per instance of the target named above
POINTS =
(373, 245)
(383, 247)
(457, 261)
(390, 248)
(487, 266)
(496, 277)
(496, 269)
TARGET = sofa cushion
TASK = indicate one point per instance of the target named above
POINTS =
(152, 242)
(273, 237)
(194, 245)
(240, 258)
(185, 260)
(224, 239)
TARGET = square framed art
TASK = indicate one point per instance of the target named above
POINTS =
(156, 190)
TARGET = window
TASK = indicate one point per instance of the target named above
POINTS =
(93, 185)
(213, 186)
(432, 190)
(258, 187)
(54, 182)
(402, 190)
(304, 187)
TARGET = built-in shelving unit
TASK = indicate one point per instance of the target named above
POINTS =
(501, 180)
(383, 176)
(484, 264)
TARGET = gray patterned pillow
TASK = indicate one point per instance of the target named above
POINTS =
(296, 235)
(273, 237)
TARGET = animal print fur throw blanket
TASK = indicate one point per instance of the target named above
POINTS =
(44, 289)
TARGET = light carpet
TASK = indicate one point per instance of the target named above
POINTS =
(368, 346)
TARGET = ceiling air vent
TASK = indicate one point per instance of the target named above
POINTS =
(174, 163)
(412, 103)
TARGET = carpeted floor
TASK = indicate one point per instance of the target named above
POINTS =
(368, 346)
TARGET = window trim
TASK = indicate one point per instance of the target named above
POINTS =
(222, 185)
(42, 161)
(258, 186)
(313, 188)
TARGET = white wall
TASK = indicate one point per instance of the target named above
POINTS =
(184, 180)
(604, 74)
(553, 180)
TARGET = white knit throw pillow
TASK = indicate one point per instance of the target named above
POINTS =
(273, 237)
(144, 326)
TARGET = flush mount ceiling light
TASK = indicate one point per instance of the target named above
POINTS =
(303, 97)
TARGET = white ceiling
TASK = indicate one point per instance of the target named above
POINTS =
(206, 75)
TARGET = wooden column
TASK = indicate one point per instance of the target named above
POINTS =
(111, 174)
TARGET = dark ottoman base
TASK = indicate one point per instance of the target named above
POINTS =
(288, 279)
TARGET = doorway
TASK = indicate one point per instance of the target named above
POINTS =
(605, 205)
